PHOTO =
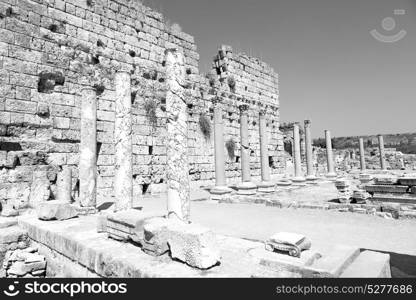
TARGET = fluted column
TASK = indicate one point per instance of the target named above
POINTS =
(177, 171)
(246, 187)
(329, 155)
(382, 152)
(362, 155)
(309, 151)
(88, 149)
(123, 179)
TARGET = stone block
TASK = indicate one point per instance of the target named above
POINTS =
(386, 189)
(12, 235)
(7, 222)
(192, 244)
(407, 181)
(56, 210)
(386, 179)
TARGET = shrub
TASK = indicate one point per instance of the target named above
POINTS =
(231, 83)
(205, 126)
(230, 145)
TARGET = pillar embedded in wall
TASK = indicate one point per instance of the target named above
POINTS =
(177, 171)
(123, 179)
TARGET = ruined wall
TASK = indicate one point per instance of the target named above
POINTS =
(50, 50)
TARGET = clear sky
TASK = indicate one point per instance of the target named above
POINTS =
(331, 69)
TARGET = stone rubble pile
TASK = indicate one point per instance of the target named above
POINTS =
(345, 190)
(26, 263)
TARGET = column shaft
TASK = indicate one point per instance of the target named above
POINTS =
(264, 151)
(177, 171)
(245, 147)
(309, 150)
(123, 179)
(88, 149)
(296, 152)
(382, 153)
(362, 155)
(329, 154)
(220, 178)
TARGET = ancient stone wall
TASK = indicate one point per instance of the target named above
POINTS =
(51, 50)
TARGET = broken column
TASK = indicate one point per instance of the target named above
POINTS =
(64, 185)
(266, 186)
(88, 149)
(123, 179)
(220, 188)
(362, 155)
(309, 152)
(296, 154)
(329, 155)
(177, 171)
(382, 153)
(246, 187)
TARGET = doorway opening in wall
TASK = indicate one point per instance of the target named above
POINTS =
(145, 188)
(237, 159)
(288, 147)
(271, 162)
(150, 150)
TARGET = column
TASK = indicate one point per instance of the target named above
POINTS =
(296, 154)
(266, 186)
(362, 155)
(220, 188)
(64, 185)
(88, 149)
(382, 153)
(246, 187)
(177, 171)
(123, 177)
(329, 155)
(309, 151)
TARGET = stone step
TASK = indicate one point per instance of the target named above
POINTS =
(399, 189)
(369, 264)
(410, 181)
(394, 198)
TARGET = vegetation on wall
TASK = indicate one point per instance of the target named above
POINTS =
(230, 146)
(150, 108)
(205, 126)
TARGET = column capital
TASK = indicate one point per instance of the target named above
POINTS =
(244, 108)
(307, 122)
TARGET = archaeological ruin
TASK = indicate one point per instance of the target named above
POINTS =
(110, 136)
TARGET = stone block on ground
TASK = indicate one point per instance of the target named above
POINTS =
(189, 243)
(56, 210)
(292, 243)
(407, 181)
(24, 263)
(386, 179)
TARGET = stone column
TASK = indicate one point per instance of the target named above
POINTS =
(88, 149)
(266, 186)
(362, 155)
(64, 185)
(382, 153)
(246, 187)
(297, 159)
(220, 188)
(329, 155)
(177, 171)
(123, 178)
(309, 151)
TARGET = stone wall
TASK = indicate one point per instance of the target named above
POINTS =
(50, 50)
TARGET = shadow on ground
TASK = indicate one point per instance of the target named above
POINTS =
(401, 265)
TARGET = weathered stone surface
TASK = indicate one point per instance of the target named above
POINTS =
(292, 243)
(387, 189)
(192, 244)
(64, 185)
(56, 210)
(24, 263)
(407, 181)
(40, 188)
(386, 179)
(7, 222)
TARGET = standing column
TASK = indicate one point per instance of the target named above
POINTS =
(246, 187)
(382, 153)
(309, 151)
(88, 149)
(296, 154)
(177, 171)
(329, 155)
(64, 185)
(123, 179)
(362, 155)
(266, 186)
(220, 188)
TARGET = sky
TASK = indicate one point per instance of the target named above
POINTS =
(332, 70)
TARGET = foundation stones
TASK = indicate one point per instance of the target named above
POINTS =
(88, 149)
(123, 179)
(177, 167)
(25, 263)
(56, 210)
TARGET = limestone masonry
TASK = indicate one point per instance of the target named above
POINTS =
(53, 52)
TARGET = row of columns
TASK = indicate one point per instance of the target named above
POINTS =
(381, 151)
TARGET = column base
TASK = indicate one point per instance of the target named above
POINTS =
(219, 192)
(246, 188)
(331, 175)
(266, 187)
(298, 179)
(284, 182)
